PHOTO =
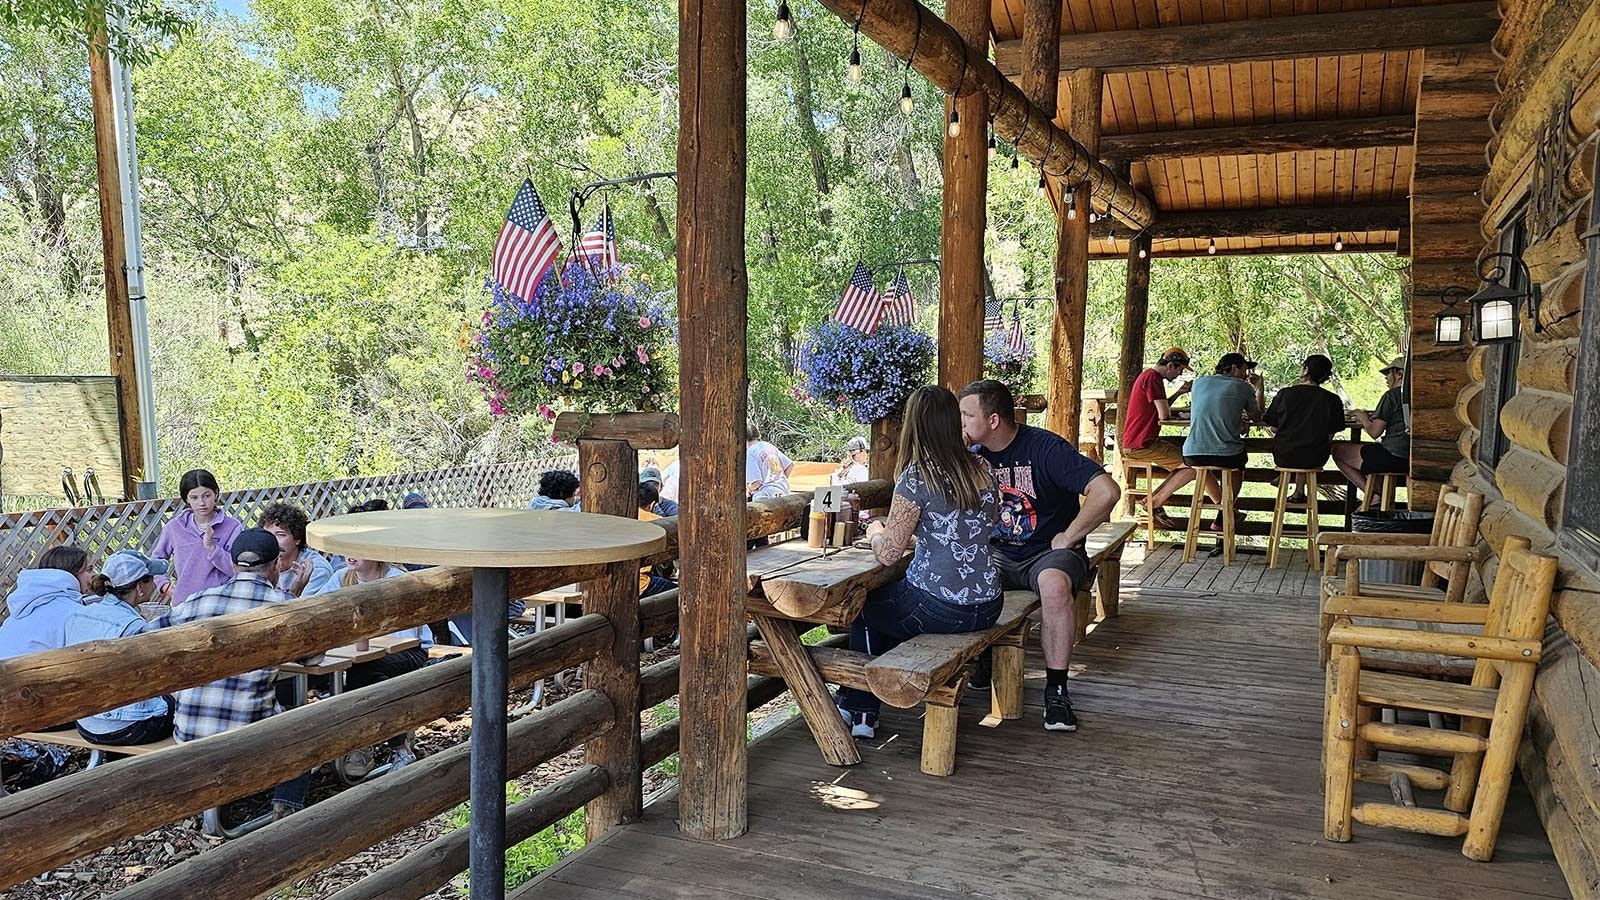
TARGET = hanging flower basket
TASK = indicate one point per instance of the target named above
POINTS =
(1005, 364)
(584, 343)
(870, 375)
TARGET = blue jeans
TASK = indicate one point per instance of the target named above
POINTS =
(899, 611)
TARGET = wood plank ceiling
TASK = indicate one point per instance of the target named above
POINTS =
(1358, 88)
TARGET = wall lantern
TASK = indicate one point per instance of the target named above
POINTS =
(1450, 323)
(1495, 318)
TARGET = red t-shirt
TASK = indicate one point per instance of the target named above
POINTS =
(1142, 420)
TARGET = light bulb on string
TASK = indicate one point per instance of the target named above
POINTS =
(1338, 242)
(1072, 204)
(955, 123)
(1212, 247)
(1093, 217)
(1016, 161)
(1143, 252)
(782, 26)
(1044, 189)
(906, 103)
(993, 150)
(855, 63)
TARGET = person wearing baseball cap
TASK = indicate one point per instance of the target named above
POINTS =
(651, 475)
(111, 610)
(1221, 404)
(853, 467)
(237, 700)
(1387, 423)
(1139, 440)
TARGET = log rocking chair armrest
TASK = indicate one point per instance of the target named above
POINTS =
(1333, 540)
(1429, 553)
(1445, 643)
(1378, 606)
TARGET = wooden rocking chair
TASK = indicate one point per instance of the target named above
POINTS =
(1492, 710)
(1446, 555)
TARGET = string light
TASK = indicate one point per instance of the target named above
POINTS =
(1072, 204)
(1212, 248)
(1143, 252)
(955, 121)
(855, 62)
(1044, 189)
(994, 150)
(1093, 217)
(1338, 242)
(782, 26)
(906, 103)
(1016, 160)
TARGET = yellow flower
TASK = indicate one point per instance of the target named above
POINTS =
(645, 278)
(566, 377)
(577, 385)
(523, 359)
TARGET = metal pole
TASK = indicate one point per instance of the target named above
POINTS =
(490, 593)
(133, 231)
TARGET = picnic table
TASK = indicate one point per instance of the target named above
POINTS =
(491, 542)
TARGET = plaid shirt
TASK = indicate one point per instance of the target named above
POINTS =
(239, 699)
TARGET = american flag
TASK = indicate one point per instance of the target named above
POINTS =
(1016, 341)
(597, 249)
(860, 307)
(994, 315)
(527, 247)
(898, 306)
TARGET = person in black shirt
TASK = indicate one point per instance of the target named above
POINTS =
(1304, 418)
(1038, 542)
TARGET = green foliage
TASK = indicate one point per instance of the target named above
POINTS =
(133, 26)
(527, 859)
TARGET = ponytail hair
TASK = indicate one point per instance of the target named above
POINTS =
(100, 585)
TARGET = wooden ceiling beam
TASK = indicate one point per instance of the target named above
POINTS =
(1279, 37)
(908, 29)
(1158, 253)
(1267, 137)
(1275, 221)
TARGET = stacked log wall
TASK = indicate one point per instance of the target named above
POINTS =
(1549, 48)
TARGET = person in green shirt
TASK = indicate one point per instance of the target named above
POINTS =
(1387, 423)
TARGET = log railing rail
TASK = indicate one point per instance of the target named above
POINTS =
(109, 527)
(46, 826)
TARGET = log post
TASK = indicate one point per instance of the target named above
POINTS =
(609, 476)
(884, 457)
(966, 185)
(713, 288)
(1041, 53)
(1064, 387)
(119, 315)
(1135, 316)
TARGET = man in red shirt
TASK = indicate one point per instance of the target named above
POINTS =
(1140, 440)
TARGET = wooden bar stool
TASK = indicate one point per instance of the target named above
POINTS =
(1286, 477)
(1382, 485)
(1131, 472)
(1199, 504)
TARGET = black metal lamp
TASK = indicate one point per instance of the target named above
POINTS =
(1495, 307)
(1450, 323)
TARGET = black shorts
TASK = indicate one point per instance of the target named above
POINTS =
(1300, 460)
(1231, 461)
(1023, 574)
(1375, 460)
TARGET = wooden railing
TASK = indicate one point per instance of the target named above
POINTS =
(44, 827)
(104, 529)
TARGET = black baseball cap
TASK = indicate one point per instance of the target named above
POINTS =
(1229, 360)
(254, 547)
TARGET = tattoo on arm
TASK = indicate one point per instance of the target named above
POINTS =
(898, 530)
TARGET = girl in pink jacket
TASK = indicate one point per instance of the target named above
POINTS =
(198, 540)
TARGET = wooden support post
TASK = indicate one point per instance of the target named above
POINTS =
(939, 739)
(1041, 53)
(1135, 315)
(1064, 387)
(966, 186)
(119, 316)
(713, 289)
(1006, 681)
(609, 476)
(884, 457)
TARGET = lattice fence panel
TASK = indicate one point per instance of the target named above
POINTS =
(103, 530)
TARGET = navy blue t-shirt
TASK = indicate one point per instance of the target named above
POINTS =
(1041, 478)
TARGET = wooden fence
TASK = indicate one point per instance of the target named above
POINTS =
(52, 824)
(107, 528)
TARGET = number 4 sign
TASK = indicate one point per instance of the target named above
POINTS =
(828, 499)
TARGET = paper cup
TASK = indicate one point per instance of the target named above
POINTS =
(363, 646)
(153, 611)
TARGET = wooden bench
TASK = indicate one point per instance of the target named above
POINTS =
(1104, 547)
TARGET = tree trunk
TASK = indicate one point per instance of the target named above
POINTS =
(805, 119)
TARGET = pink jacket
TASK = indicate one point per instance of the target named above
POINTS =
(182, 542)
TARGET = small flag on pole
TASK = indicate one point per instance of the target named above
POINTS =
(1016, 341)
(994, 316)
(527, 247)
(898, 306)
(860, 306)
(597, 248)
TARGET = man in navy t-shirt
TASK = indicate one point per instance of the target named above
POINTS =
(1039, 537)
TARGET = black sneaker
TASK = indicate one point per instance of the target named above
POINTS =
(1058, 714)
(983, 673)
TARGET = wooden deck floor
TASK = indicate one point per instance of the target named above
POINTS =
(1195, 774)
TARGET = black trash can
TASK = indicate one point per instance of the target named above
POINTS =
(1400, 521)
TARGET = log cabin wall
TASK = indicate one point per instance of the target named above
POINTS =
(1541, 160)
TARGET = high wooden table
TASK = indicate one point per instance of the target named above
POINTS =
(492, 542)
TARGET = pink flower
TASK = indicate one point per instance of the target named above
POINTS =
(617, 363)
(644, 321)
(639, 351)
(604, 370)
(577, 368)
